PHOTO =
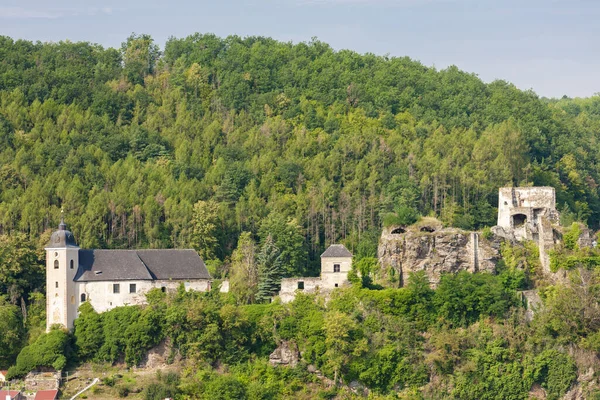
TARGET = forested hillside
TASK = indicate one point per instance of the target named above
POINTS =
(293, 136)
(246, 147)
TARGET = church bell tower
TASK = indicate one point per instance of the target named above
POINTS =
(62, 261)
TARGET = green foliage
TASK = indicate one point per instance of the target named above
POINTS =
(269, 270)
(11, 326)
(486, 233)
(520, 265)
(571, 237)
(556, 372)
(222, 143)
(462, 298)
(225, 387)
(88, 333)
(52, 349)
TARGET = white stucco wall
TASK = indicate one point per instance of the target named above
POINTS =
(102, 297)
(329, 279)
(61, 304)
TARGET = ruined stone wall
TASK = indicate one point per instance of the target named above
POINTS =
(289, 287)
(441, 251)
(523, 200)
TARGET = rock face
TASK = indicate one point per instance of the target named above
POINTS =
(286, 354)
(427, 247)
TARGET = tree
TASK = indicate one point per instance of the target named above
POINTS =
(11, 327)
(244, 270)
(88, 333)
(204, 228)
(288, 238)
(140, 55)
(269, 270)
(52, 349)
(21, 270)
(338, 340)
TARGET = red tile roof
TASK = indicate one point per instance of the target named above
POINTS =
(12, 393)
(46, 395)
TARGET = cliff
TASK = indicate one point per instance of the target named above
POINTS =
(426, 246)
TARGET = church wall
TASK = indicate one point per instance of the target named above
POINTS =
(61, 304)
(102, 297)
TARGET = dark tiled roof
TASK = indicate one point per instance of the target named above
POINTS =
(116, 265)
(336, 250)
(62, 238)
(174, 264)
(111, 265)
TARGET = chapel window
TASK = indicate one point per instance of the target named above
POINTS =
(82, 297)
(72, 264)
(55, 264)
(336, 267)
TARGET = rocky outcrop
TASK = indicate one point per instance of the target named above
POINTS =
(286, 353)
(429, 247)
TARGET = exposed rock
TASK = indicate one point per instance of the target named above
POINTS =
(532, 302)
(285, 354)
(158, 356)
(428, 247)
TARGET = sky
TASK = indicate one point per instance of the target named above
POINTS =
(549, 46)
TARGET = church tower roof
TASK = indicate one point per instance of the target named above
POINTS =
(62, 237)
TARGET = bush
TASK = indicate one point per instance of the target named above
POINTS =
(51, 349)
(556, 372)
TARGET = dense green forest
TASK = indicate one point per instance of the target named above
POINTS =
(261, 153)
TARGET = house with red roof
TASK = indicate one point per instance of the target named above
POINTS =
(46, 395)
(11, 395)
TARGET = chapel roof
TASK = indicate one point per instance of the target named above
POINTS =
(62, 237)
(116, 265)
(336, 250)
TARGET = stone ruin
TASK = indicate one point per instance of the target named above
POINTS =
(529, 213)
(427, 246)
(524, 213)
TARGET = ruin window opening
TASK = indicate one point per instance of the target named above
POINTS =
(336, 267)
(301, 285)
(398, 231)
(427, 229)
(519, 220)
(336, 285)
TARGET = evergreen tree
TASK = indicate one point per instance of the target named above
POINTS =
(269, 270)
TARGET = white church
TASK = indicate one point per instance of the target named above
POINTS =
(112, 278)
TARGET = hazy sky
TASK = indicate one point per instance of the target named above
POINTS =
(550, 46)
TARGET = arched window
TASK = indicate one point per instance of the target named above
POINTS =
(55, 264)
(72, 264)
(82, 297)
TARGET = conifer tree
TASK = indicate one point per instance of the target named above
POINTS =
(269, 270)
